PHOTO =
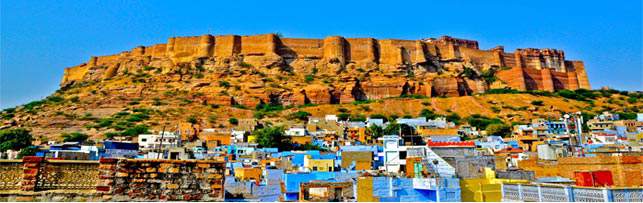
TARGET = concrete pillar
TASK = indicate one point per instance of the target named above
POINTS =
(502, 191)
(569, 194)
(390, 186)
(607, 195)
(520, 193)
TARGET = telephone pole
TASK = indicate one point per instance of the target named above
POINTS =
(160, 148)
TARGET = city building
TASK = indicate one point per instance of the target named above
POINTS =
(162, 140)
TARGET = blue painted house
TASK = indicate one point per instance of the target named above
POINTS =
(119, 149)
(292, 181)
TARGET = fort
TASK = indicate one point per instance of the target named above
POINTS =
(435, 64)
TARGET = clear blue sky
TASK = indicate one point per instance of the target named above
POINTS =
(40, 38)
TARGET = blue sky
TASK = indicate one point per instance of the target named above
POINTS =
(40, 38)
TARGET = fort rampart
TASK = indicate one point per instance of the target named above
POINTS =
(524, 69)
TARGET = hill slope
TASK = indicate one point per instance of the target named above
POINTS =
(79, 110)
(208, 80)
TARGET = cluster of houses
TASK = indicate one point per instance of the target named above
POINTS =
(435, 162)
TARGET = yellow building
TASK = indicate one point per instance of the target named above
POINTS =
(428, 132)
(244, 174)
(487, 189)
(302, 140)
(252, 139)
(319, 164)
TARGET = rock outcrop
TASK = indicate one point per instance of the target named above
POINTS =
(248, 70)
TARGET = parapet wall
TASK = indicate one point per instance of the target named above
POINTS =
(626, 170)
(525, 69)
(37, 179)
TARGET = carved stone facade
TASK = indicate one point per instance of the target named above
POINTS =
(36, 179)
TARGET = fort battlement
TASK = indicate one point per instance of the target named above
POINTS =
(523, 69)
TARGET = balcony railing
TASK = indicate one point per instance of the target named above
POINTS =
(559, 193)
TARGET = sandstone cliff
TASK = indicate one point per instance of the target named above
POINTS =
(248, 70)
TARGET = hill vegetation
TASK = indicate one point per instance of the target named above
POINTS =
(78, 114)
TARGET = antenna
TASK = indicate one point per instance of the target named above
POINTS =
(158, 155)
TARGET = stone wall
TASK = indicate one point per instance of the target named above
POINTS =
(37, 179)
(525, 69)
(626, 170)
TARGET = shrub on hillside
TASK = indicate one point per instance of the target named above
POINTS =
(233, 121)
(499, 129)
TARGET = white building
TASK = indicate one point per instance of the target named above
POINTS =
(239, 135)
(603, 138)
(394, 154)
(153, 141)
(331, 118)
(552, 151)
(296, 131)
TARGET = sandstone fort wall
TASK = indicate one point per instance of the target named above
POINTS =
(524, 69)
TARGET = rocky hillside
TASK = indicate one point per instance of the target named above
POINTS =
(217, 81)
(92, 110)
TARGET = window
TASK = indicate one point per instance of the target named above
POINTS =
(144, 140)
(403, 155)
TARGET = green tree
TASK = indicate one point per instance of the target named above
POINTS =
(428, 114)
(309, 78)
(537, 102)
(454, 117)
(481, 122)
(74, 137)
(393, 128)
(224, 84)
(500, 129)
(301, 115)
(375, 131)
(14, 139)
(192, 120)
(27, 151)
(343, 116)
(358, 118)
(233, 121)
(273, 137)
(489, 76)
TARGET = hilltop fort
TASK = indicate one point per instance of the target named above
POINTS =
(362, 68)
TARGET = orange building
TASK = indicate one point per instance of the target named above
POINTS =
(244, 174)
(302, 140)
(215, 138)
(626, 170)
(362, 159)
